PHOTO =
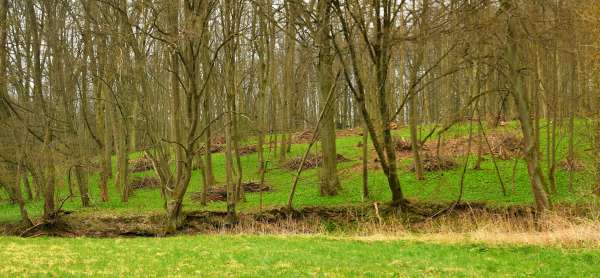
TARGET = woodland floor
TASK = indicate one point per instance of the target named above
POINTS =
(489, 232)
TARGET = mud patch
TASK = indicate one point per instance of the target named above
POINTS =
(219, 193)
(312, 161)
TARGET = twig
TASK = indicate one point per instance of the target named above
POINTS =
(493, 158)
(312, 142)
(377, 212)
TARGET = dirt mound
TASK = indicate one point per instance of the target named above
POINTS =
(141, 164)
(572, 165)
(219, 193)
(312, 161)
(144, 182)
(432, 162)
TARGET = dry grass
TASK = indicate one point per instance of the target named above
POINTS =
(553, 229)
(561, 227)
(571, 227)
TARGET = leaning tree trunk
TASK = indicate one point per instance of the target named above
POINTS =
(524, 114)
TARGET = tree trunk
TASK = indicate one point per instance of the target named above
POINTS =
(330, 183)
(524, 114)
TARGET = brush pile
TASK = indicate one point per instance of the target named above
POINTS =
(402, 145)
(507, 146)
(247, 150)
(303, 137)
(141, 164)
(312, 161)
(213, 149)
(144, 182)
(219, 193)
(504, 146)
(432, 162)
(572, 165)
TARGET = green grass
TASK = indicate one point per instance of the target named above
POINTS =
(295, 256)
(480, 185)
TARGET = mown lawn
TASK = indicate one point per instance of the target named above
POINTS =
(293, 256)
(479, 185)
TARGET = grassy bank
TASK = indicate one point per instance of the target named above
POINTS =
(439, 186)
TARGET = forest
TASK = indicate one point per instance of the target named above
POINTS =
(279, 138)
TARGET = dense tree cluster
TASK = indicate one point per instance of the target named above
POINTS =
(82, 81)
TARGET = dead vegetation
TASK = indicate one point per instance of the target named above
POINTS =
(303, 137)
(216, 148)
(219, 193)
(144, 182)
(574, 165)
(348, 132)
(312, 161)
(432, 162)
(402, 145)
(566, 225)
(140, 164)
(504, 146)
(245, 150)
(597, 190)
(306, 136)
